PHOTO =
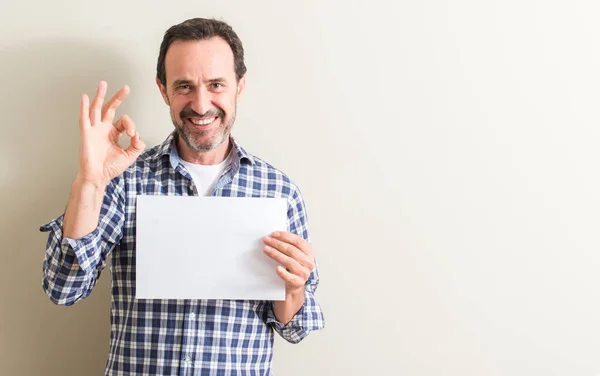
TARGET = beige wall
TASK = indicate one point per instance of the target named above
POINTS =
(455, 225)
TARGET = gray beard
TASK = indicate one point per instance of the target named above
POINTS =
(189, 136)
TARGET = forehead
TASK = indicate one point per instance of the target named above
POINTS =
(199, 59)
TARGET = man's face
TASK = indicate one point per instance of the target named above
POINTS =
(201, 91)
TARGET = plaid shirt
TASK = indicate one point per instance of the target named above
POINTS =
(176, 337)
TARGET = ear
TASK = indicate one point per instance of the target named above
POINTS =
(241, 86)
(163, 91)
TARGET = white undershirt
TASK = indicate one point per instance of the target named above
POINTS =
(205, 177)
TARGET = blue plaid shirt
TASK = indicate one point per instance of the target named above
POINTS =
(176, 337)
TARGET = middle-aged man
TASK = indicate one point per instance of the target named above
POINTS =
(201, 75)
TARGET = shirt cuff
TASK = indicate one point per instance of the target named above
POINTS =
(84, 248)
(308, 318)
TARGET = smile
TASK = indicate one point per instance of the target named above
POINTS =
(206, 121)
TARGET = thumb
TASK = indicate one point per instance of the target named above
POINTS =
(135, 148)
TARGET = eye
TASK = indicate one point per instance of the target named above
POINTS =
(184, 88)
(217, 85)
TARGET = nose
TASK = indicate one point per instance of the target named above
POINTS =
(201, 100)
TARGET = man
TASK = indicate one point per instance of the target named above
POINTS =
(201, 76)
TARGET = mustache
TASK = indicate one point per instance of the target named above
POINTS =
(213, 112)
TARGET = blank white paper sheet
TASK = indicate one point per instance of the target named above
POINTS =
(191, 247)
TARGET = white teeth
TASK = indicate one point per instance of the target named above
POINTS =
(203, 122)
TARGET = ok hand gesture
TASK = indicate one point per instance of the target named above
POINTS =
(101, 158)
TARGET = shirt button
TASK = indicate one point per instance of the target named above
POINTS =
(187, 359)
(192, 315)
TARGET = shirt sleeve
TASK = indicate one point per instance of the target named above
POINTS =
(71, 267)
(310, 316)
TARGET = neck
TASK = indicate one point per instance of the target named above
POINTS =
(210, 157)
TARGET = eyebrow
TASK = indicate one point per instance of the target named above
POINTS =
(181, 82)
(190, 82)
(218, 79)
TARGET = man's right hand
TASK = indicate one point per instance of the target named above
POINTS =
(101, 158)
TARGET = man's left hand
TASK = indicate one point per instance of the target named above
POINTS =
(296, 256)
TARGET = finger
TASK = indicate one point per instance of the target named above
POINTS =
(109, 109)
(289, 278)
(293, 239)
(135, 147)
(95, 110)
(84, 119)
(289, 250)
(289, 263)
(125, 125)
